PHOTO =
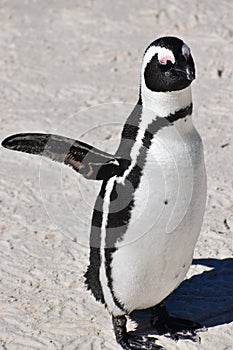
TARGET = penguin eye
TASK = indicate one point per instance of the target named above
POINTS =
(186, 55)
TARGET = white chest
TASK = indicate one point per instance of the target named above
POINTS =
(165, 223)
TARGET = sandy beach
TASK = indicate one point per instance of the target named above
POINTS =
(72, 68)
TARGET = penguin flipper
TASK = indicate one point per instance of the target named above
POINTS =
(87, 160)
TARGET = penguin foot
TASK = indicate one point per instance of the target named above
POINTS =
(129, 341)
(144, 342)
(174, 327)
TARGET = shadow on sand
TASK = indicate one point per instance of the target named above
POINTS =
(206, 297)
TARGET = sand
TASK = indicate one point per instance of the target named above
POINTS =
(73, 67)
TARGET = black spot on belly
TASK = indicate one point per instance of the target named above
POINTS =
(165, 202)
(220, 71)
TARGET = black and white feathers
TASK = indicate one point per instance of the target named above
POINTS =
(149, 211)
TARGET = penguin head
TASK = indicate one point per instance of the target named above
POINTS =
(167, 65)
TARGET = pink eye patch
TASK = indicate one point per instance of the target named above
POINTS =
(165, 59)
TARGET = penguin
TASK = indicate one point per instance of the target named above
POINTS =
(148, 214)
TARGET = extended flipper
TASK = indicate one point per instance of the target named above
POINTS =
(89, 161)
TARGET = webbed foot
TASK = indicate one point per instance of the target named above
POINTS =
(174, 327)
(129, 341)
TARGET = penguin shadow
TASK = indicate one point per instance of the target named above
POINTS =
(206, 297)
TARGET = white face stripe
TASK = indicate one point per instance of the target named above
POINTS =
(153, 50)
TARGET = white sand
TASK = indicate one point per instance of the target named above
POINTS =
(60, 57)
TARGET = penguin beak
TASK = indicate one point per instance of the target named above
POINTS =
(186, 70)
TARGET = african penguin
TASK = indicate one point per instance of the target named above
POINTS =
(148, 214)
